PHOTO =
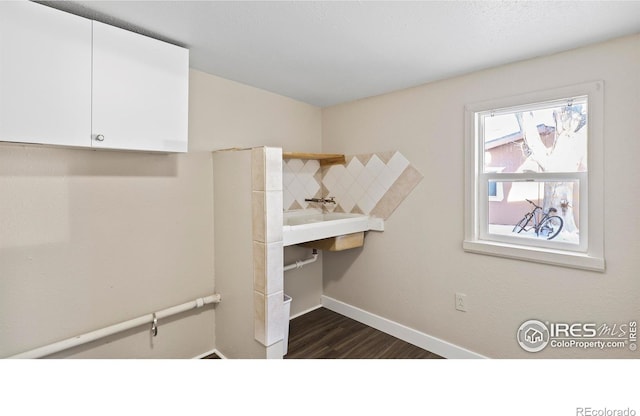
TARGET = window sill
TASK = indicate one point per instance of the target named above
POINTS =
(537, 255)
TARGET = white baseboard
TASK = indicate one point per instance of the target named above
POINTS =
(430, 343)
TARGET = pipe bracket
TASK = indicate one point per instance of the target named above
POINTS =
(154, 325)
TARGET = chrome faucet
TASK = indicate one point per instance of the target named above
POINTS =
(327, 200)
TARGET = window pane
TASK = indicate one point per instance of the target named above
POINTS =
(493, 189)
(530, 210)
(546, 138)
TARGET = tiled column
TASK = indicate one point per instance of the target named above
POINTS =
(268, 257)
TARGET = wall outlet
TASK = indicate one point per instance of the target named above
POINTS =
(461, 302)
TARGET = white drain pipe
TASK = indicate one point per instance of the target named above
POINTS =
(299, 263)
(151, 318)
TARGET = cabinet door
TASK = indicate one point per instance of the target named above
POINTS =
(140, 92)
(45, 75)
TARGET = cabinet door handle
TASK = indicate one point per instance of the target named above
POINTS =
(100, 137)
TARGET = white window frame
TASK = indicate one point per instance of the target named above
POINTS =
(589, 254)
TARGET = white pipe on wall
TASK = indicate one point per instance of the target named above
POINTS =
(299, 263)
(114, 329)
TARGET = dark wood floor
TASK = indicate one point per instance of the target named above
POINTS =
(322, 333)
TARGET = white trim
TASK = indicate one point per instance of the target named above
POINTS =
(536, 254)
(410, 335)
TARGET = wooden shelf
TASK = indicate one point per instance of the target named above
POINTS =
(325, 159)
(339, 243)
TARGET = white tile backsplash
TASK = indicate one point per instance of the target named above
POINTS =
(330, 178)
(375, 191)
(357, 186)
(386, 178)
(346, 202)
(287, 198)
(300, 183)
(312, 187)
(287, 175)
(300, 193)
(310, 167)
(375, 166)
(355, 167)
(337, 191)
(346, 180)
(295, 165)
(365, 178)
(398, 164)
(366, 203)
(356, 191)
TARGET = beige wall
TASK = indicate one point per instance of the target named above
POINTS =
(225, 114)
(89, 239)
(409, 273)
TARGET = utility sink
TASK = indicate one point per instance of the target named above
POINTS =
(306, 225)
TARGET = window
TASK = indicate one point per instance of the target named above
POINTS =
(534, 183)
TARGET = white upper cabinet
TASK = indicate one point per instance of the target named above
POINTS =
(45, 75)
(65, 80)
(140, 92)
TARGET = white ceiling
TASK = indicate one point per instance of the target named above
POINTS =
(329, 52)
